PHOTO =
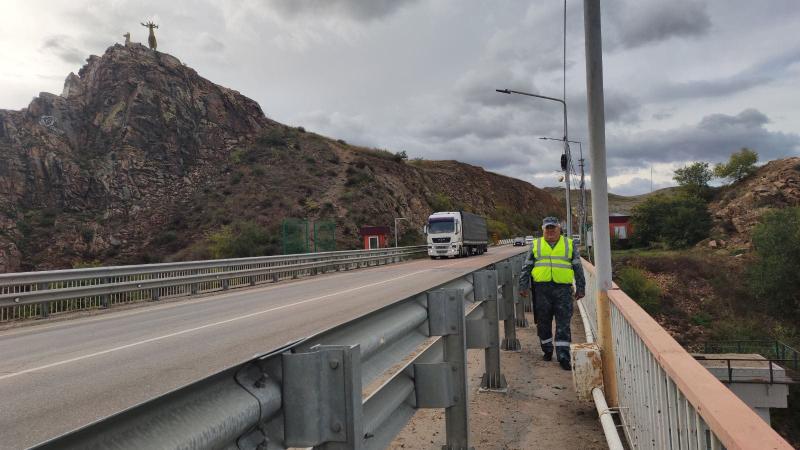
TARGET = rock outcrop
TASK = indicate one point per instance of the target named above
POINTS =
(738, 207)
(140, 158)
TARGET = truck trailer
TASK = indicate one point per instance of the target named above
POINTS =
(454, 234)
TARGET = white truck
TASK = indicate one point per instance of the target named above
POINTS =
(454, 234)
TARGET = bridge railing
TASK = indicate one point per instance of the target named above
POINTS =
(39, 294)
(666, 398)
(354, 386)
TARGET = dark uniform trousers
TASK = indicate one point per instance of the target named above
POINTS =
(553, 299)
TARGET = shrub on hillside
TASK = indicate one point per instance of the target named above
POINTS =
(774, 277)
(440, 202)
(241, 240)
(678, 221)
(640, 288)
(498, 228)
(411, 236)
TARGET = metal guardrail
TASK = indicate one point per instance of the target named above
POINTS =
(353, 386)
(772, 350)
(780, 361)
(39, 294)
(666, 398)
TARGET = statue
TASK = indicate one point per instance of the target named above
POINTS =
(127, 37)
(151, 40)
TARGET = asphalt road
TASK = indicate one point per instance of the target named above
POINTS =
(55, 377)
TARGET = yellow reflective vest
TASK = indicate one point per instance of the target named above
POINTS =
(552, 264)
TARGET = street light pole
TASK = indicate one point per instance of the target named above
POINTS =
(395, 229)
(583, 211)
(566, 147)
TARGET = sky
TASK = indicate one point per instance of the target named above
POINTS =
(684, 80)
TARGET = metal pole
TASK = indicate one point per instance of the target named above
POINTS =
(602, 240)
(566, 147)
(584, 212)
(566, 137)
(566, 174)
(396, 220)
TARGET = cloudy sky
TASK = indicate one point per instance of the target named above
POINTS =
(684, 80)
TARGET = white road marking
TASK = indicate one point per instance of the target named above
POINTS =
(209, 325)
(203, 298)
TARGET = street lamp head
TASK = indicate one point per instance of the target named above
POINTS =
(503, 91)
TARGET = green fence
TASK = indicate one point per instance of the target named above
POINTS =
(302, 236)
(324, 236)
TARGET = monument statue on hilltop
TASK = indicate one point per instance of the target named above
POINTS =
(127, 37)
(151, 40)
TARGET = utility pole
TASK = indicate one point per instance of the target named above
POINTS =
(602, 239)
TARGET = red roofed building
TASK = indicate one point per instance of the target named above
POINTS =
(374, 237)
(619, 226)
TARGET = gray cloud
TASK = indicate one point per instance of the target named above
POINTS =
(758, 74)
(636, 23)
(62, 47)
(351, 9)
(713, 139)
(210, 44)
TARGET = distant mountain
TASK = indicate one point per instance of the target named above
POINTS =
(140, 159)
(618, 204)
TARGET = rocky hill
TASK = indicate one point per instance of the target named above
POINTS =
(738, 207)
(140, 159)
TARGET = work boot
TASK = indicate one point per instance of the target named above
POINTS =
(548, 356)
(565, 364)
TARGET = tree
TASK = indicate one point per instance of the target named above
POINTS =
(773, 277)
(740, 165)
(400, 156)
(675, 220)
(694, 178)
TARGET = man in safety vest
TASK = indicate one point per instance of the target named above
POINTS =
(554, 265)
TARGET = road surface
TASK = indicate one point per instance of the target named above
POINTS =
(55, 377)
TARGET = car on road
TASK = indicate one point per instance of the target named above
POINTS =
(529, 239)
(519, 241)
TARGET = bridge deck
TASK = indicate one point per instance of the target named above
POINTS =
(540, 409)
(57, 376)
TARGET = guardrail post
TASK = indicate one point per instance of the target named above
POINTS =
(485, 283)
(444, 385)
(322, 398)
(154, 294)
(44, 307)
(507, 279)
(104, 299)
(225, 283)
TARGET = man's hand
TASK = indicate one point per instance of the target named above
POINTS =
(579, 295)
(523, 293)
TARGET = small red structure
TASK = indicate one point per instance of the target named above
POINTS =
(374, 237)
(619, 225)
